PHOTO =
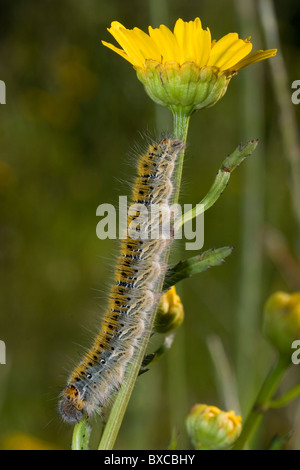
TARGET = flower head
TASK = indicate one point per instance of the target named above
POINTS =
(211, 428)
(184, 68)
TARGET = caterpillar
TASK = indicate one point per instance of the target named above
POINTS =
(134, 293)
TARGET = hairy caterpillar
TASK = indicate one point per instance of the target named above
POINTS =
(138, 273)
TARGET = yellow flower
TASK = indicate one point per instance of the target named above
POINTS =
(210, 428)
(184, 68)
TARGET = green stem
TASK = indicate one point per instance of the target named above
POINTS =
(286, 398)
(81, 435)
(261, 404)
(176, 383)
(110, 433)
(116, 416)
(181, 124)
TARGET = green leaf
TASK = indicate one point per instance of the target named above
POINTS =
(195, 265)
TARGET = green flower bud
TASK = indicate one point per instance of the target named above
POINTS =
(281, 320)
(209, 428)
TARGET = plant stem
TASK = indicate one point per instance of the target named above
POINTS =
(261, 404)
(119, 407)
(176, 384)
(81, 435)
(286, 398)
(181, 125)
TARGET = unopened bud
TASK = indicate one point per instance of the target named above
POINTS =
(210, 428)
(170, 312)
(281, 320)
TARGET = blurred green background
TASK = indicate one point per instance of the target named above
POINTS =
(74, 112)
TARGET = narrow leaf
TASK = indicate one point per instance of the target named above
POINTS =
(195, 265)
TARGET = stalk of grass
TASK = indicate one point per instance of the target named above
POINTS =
(252, 217)
(225, 378)
(282, 87)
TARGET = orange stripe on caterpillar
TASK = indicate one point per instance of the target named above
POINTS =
(134, 295)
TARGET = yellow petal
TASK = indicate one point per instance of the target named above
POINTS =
(126, 39)
(188, 41)
(179, 33)
(200, 41)
(193, 42)
(118, 51)
(228, 51)
(203, 47)
(147, 45)
(165, 41)
(252, 58)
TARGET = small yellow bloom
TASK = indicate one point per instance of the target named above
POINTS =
(170, 312)
(184, 68)
(210, 428)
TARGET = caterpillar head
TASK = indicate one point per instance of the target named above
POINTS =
(71, 405)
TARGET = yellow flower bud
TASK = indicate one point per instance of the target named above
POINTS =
(210, 428)
(281, 320)
(170, 312)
